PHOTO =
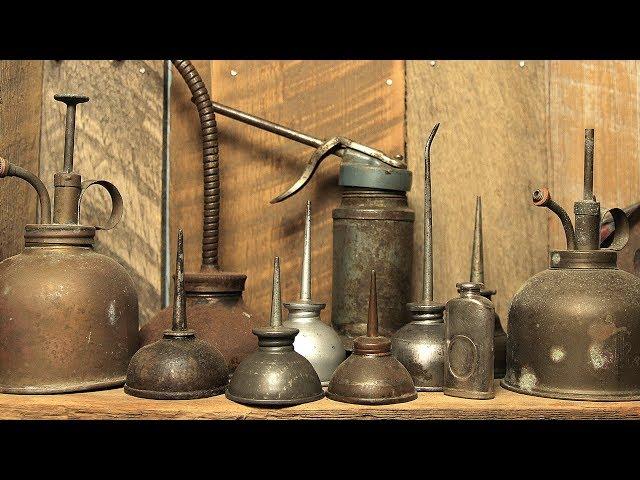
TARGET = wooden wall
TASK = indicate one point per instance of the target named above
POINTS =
(507, 127)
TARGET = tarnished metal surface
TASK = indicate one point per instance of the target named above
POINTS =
(68, 315)
(470, 319)
(574, 329)
(477, 276)
(372, 230)
(214, 297)
(371, 375)
(179, 366)
(275, 374)
(419, 346)
(316, 341)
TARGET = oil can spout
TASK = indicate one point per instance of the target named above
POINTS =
(542, 198)
(8, 169)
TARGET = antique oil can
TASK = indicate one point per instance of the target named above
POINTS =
(419, 345)
(214, 297)
(179, 366)
(275, 375)
(468, 359)
(372, 227)
(371, 375)
(574, 329)
(316, 341)
(68, 315)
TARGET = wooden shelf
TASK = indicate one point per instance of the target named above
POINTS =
(115, 404)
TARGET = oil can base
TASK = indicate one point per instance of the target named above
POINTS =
(64, 388)
(429, 389)
(456, 392)
(626, 396)
(157, 395)
(372, 401)
(272, 402)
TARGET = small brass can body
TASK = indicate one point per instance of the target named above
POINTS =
(469, 356)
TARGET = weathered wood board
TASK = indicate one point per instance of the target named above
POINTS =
(20, 98)
(118, 138)
(492, 142)
(363, 100)
(115, 404)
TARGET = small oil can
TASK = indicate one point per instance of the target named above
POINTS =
(469, 328)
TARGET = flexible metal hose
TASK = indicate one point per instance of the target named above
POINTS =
(210, 160)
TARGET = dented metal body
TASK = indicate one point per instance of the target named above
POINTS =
(574, 329)
(372, 230)
(469, 324)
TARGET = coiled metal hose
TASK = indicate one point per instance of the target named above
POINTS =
(210, 160)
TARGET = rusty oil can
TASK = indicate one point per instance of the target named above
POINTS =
(372, 226)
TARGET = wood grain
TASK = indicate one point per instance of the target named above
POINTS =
(601, 95)
(20, 96)
(322, 98)
(118, 138)
(115, 404)
(492, 142)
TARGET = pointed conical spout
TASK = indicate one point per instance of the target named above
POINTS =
(427, 258)
(477, 256)
(305, 281)
(179, 300)
(276, 309)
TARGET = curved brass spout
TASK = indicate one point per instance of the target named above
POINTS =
(8, 169)
(542, 198)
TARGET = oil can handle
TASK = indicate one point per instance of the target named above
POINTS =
(322, 152)
(620, 235)
(117, 207)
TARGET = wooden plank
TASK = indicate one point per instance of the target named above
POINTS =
(601, 95)
(118, 138)
(322, 98)
(492, 142)
(20, 95)
(115, 404)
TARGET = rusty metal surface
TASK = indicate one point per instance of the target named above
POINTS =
(275, 375)
(69, 315)
(221, 320)
(469, 325)
(419, 345)
(371, 375)
(69, 320)
(178, 366)
(574, 329)
(214, 297)
(372, 230)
